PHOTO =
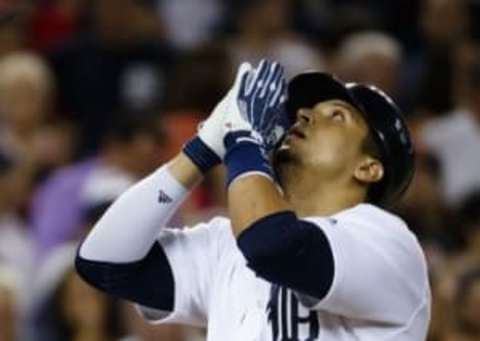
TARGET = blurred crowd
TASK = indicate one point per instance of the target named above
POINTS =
(95, 94)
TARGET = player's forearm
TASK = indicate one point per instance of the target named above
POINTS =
(127, 231)
(185, 171)
(252, 198)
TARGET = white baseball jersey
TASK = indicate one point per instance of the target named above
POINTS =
(380, 289)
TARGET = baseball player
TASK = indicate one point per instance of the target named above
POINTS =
(307, 253)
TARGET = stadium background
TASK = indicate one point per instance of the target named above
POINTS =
(95, 94)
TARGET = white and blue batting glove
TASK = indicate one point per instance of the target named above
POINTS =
(256, 121)
(259, 106)
(207, 149)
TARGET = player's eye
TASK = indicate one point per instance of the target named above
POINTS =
(338, 115)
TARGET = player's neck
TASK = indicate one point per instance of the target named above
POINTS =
(313, 198)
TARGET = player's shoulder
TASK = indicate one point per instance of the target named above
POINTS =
(371, 215)
(366, 221)
(390, 232)
(363, 214)
(378, 221)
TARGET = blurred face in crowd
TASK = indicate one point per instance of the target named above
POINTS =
(327, 142)
(23, 103)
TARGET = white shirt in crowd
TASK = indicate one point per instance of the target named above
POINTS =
(455, 140)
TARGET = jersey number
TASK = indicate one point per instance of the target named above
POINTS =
(286, 318)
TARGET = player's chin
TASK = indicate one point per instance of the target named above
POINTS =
(285, 153)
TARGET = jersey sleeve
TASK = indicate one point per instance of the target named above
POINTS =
(193, 254)
(380, 273)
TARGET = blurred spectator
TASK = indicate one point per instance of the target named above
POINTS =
(8, 309)
(469, 228)
(439, 77)
(444, 22)
(54, 22)
(67, 308)
(15, 243)
(29, 132)
(435, 88)
(202, 17)
(14, 18)
(467, 308)
(122, 63)
(370, 57)
(455, 140)
(426, 213)
(263, 30)
(131, 150)
(441, 315)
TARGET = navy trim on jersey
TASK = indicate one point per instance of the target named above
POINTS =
(289, 252)
(133, 281)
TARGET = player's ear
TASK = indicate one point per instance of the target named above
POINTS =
(369, 170)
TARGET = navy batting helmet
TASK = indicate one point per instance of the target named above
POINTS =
(386, 123)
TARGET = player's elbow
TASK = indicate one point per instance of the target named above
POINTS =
(91, 272)
(289, 252)
(131, 281)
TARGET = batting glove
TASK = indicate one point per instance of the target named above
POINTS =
(259, 106)
(255, 121)
(206, 149)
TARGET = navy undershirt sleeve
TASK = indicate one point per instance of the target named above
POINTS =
(148, 282)
(290, 252)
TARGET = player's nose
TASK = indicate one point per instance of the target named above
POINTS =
(304, 115)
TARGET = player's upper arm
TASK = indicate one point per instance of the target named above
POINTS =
(380, 273)
(193, 254)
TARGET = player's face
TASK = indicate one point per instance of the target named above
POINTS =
(326, 138)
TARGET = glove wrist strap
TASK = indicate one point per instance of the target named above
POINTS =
(201, 155)
(245, 155)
